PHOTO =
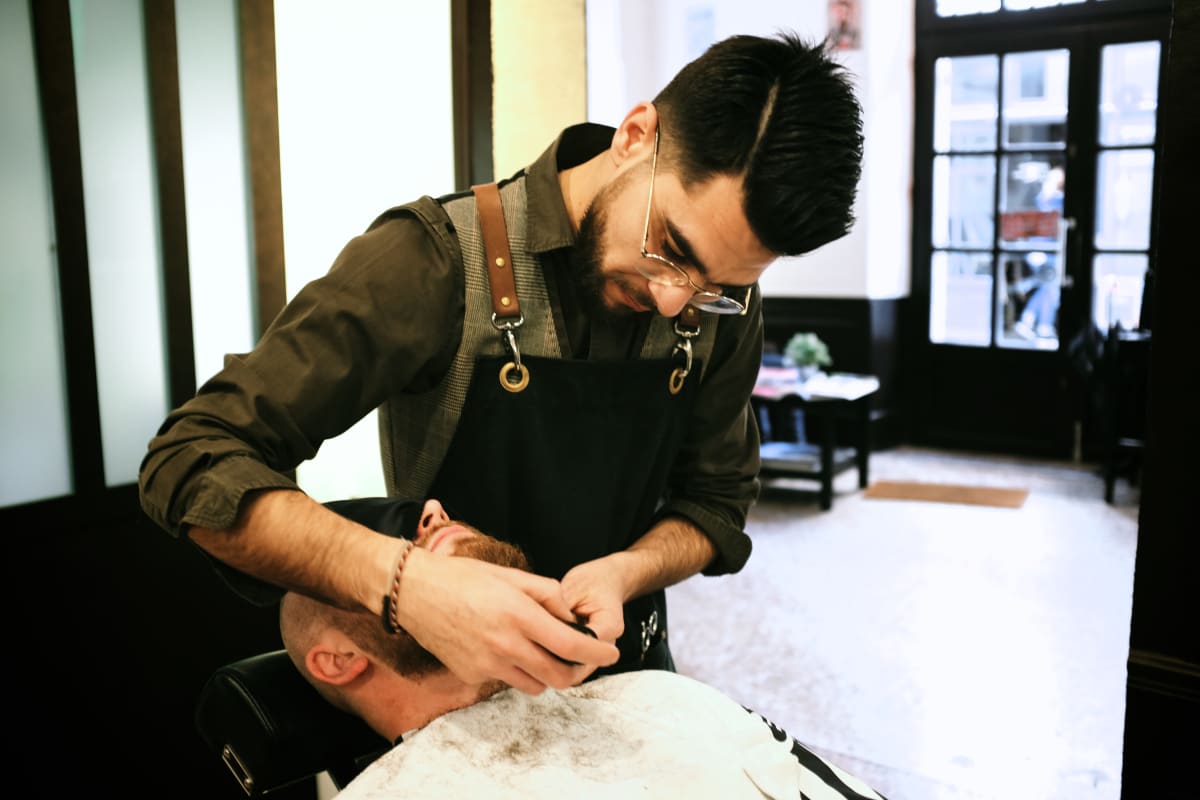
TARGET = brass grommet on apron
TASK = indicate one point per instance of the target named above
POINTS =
(510, 343)
(521, 382)
(675, 384)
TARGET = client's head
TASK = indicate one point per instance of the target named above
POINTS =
(339, 650)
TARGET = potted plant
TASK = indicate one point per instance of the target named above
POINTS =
(808, 353)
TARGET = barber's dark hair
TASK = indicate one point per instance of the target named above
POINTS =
(781, 113)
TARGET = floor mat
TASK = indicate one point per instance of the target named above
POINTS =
(947, 493)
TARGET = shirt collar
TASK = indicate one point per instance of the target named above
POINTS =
(548, 224)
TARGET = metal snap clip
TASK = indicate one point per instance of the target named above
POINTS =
(506, 328)
(675, 384)
(649, 629)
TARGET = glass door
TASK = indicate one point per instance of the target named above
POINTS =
(998, 182)
(1035, 171)
(1125, 176)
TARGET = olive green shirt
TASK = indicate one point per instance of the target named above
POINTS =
(387, 319)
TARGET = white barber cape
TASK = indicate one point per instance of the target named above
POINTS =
(649, 734)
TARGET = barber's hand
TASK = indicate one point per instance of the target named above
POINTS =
(487, 622)
(596, 593)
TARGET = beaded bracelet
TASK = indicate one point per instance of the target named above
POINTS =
(391, 600)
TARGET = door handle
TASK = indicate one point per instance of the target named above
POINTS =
(1066, 225)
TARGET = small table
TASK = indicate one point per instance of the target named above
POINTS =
(824, 399)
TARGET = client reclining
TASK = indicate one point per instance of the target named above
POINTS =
(650, 733)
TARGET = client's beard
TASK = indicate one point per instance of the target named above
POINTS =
(404, 653)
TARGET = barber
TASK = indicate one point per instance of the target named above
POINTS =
(604, 428)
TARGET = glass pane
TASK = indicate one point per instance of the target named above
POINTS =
(337, 139)
(122, 228)
(964, 201)
(954, 8)
(1119, 281)
(1035, 98)
(214, 168)
(1025, 5)
(1124, 180)
(965, 103)
(35, 461)
(1128, 93)
(1028, 298)
(960, 298)
(1031, 200)
(1032, 232)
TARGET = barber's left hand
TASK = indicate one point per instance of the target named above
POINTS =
(596, 592)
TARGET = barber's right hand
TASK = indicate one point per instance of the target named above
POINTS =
(487, 622)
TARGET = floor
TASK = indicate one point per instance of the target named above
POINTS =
(939, 651)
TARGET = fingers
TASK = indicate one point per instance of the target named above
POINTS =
(514, 656)
(548, 594)
(595, 593)
(608, 623)
(553, 653)
(486, 622)
(535, 668)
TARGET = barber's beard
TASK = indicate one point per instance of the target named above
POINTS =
(585, 260)
(586, 257)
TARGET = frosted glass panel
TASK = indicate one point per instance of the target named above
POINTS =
(1118, 281)
(215, 185)
(1124, 186)
(960, 298)
(354, 140)
(953, 8)
(964, 103)
(964, 198)
(35, 458)
(1025, 5)
(1129, 93)
(1035, 99)
(122, 228)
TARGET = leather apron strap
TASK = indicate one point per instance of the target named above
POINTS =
(495, 247)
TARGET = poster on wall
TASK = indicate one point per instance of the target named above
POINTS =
(844, 25)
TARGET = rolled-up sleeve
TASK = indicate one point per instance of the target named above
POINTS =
(386, 318)
(714, 481)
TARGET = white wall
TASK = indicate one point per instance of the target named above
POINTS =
(635, 47)
(124, 252)
(538, 87)
(215, 181)
(886, 202)
(365, 123)
(35, 460)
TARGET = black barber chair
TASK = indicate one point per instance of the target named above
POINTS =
(272, 729)
(269, 726)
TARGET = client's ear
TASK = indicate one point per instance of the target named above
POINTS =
(335, 660)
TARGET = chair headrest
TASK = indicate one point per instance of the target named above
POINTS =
(271, 728)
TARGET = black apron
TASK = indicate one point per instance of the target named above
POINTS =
(572, 468)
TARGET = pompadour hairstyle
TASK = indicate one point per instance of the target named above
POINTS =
(779, 112)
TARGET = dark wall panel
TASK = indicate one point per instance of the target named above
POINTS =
(863, 336)
(117, 626)
(1162, 719)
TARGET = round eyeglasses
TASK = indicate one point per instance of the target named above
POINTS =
(664, 272)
